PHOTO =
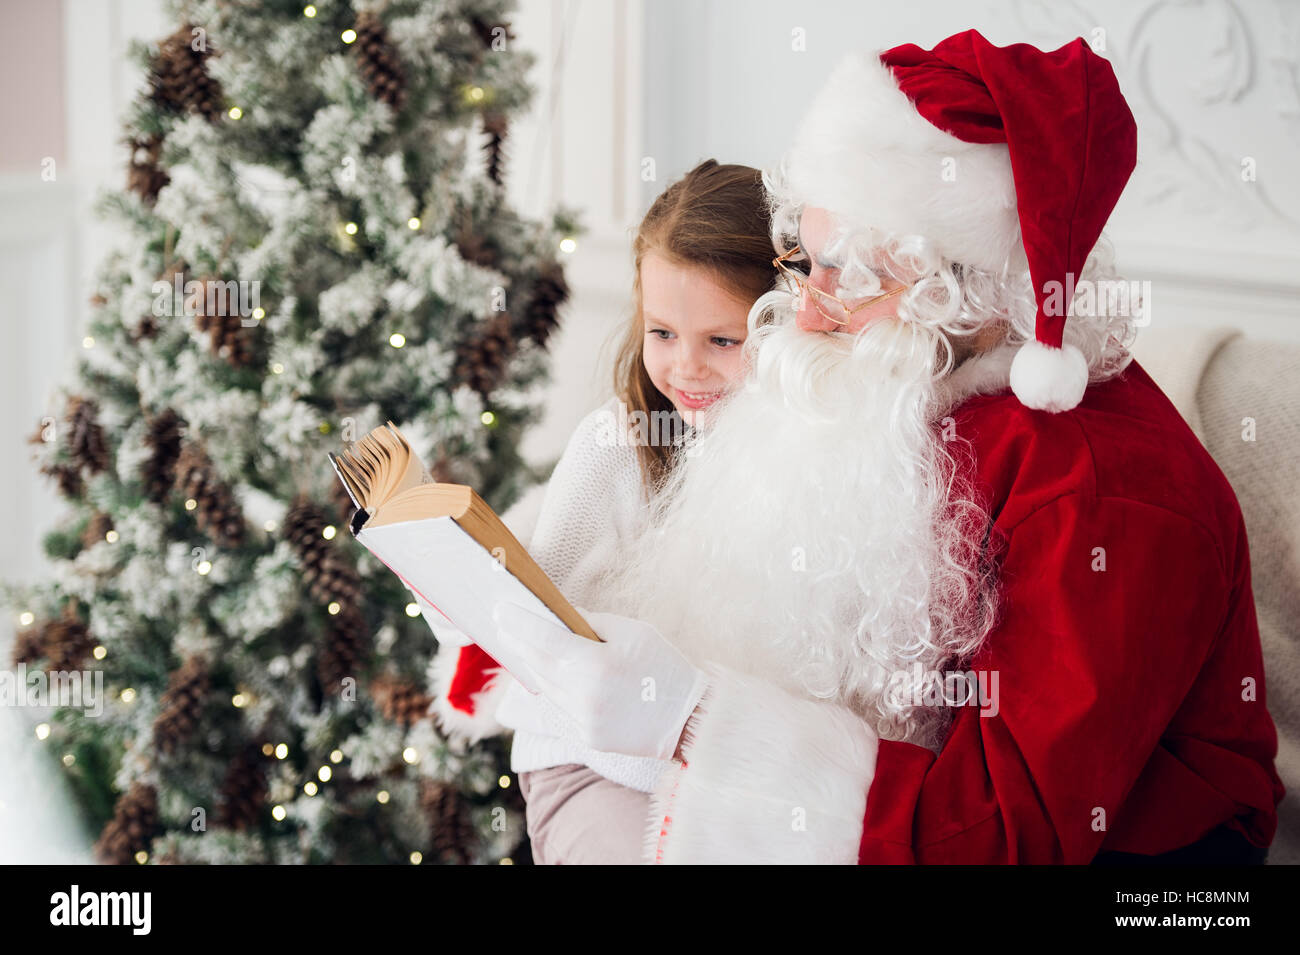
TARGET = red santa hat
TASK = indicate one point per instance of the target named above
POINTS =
(998, 155)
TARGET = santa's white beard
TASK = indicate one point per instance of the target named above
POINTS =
(807, 535)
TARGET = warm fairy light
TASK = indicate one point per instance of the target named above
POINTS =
(268, 749)
(503, 782)
(488, 418)
(269, 526)
(333, 608)
(128, 695)
(310, 789)
(397, 339)
(141, 857)
(259, 313)
(26, 617)
(324, 427)
(329, 531)
(382, 796)
(507, 861)
(239, 700)
(111, 537)
(412, 610)
(410, 755)
(350, 228)
(235, 112)
(413, 223)
(68, 759)
(88, 342)
(99, 652)
(278, 813)
(190, 504)
(568, 244)
(309, 11)
(204, 568)
(336, 756)
(281, 751)
(348, 36)
(416, 857)
(475, 93)
(42, 730)
(277, 368)
(324, 773)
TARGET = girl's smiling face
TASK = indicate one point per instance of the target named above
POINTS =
(694, 329)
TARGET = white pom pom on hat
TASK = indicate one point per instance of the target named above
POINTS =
(998, 155)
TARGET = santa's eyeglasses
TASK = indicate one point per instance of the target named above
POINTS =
(799, 280)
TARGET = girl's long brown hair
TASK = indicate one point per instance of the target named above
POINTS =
(714, 218)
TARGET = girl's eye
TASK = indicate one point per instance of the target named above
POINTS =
(661, 332)
(726, 342)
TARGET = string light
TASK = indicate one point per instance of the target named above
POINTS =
(412, 610)
(416, 858)
(204, 568)
(282, 750)
(336, 756)
(410, 755)
(88, 342)
(503, 782)
(488, 418)
(42, 730)
(309, 11)
(190, 504)
(329, 531)
(278, 813)
(413, 223)
(350, 228)
(333, 608)
(141, 857)
(348, 36)
(268, 749)
(269, 525)
(68, 759)
(277, 368)
(111, 537)
(128, 695)
(397, 339)
(324, 773)
(239, 700)
(26, 617)
(382, 797)
(235, 112)
(568, 245)
(99, 652)
(310, 788)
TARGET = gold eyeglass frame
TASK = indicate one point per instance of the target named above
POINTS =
(801, 282)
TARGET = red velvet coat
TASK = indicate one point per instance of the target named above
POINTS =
(1126, 714)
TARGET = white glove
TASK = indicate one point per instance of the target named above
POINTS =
(440, 625)
(631, 694)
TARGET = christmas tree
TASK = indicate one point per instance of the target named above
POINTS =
(314, 240)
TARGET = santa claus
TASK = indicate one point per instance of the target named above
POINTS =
(941, 475)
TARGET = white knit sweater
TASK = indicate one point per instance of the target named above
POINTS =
(595, 504)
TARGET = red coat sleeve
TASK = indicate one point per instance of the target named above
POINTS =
(1127, 634)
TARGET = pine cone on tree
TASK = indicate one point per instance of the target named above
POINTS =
(330, 576)
(217, 511)
(452, 837)
(345, 649)
(86, 444)
(474, 246)
(541, 312)
(181, 705)
(378, 61)
(228, 336)
(164, 443)
(179, 77)
(481, 361)
(145, 176)
(132, 828)
(494, 124)
(64, 643)
(400, 700)
(244, 789)
(96, 529)
(488, 32)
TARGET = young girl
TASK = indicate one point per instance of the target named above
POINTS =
(703, 254)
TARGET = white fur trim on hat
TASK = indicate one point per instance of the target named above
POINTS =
(457, 725)
(868, 157)
(1047, 378)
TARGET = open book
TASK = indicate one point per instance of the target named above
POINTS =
(443, 540)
